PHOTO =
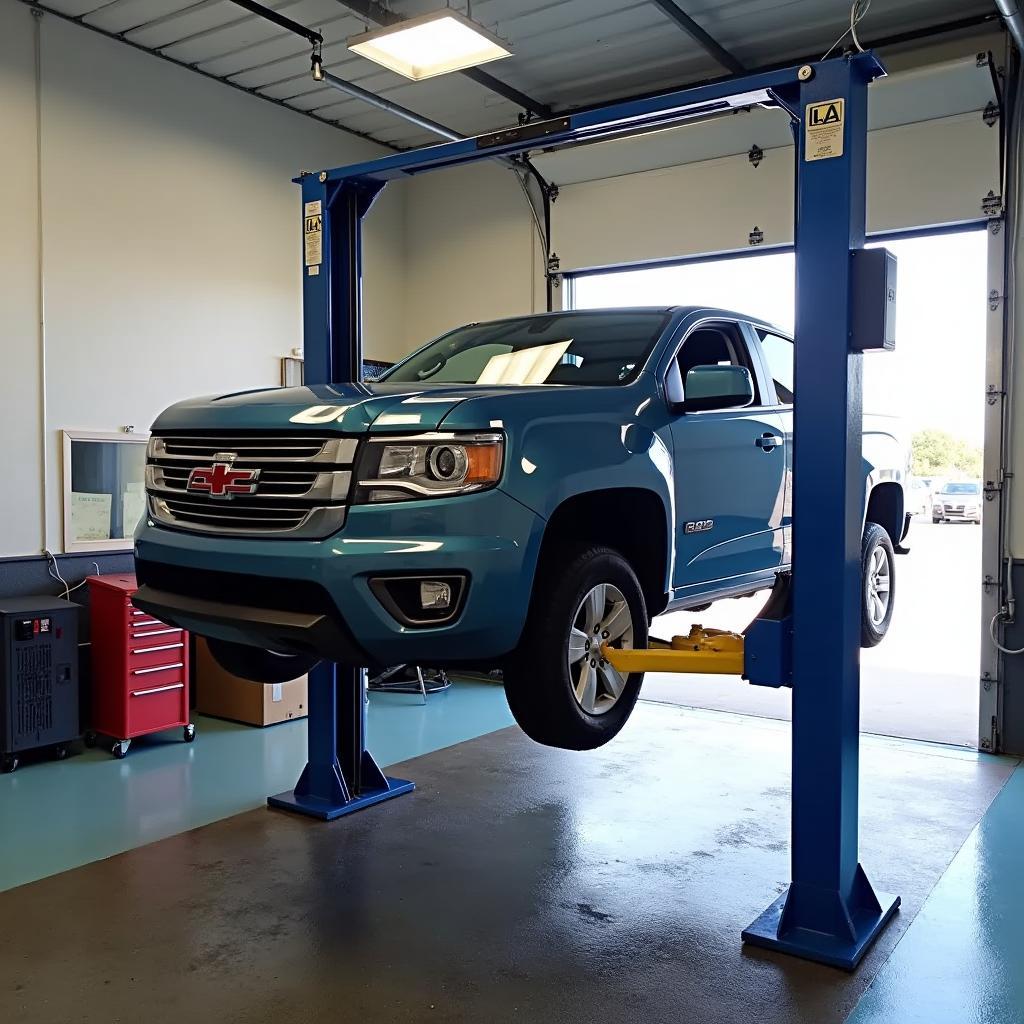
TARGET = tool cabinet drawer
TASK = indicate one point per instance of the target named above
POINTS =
(148, 653)
(156, 705)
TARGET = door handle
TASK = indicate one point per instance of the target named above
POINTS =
(768, 442)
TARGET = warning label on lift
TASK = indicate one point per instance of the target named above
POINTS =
(824, 130)
(313, 235)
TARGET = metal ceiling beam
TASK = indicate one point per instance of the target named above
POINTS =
(271, 15)
(706, 41)
(375, 12)
(898, 39)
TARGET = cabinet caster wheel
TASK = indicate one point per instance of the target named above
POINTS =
(189, 732)
(60, 751)
(89, 739)
(8, 763)
(120, 749)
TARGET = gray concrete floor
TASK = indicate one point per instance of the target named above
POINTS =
(921, 682)
(518, 883)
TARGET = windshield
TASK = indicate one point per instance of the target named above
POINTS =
(967, 488)
(595, 348)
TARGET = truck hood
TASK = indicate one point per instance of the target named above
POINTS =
(348, 408)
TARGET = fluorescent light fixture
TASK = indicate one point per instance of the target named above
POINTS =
(432, 44)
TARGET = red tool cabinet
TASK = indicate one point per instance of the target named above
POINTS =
(139, 667)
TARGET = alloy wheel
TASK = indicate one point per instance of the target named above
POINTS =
(879, 586)
(603, 616)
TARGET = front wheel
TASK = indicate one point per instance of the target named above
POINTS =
(878, 585)
(559, 688)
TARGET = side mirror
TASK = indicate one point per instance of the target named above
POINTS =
(718, 387)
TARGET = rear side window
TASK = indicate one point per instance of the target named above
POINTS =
(778, 354)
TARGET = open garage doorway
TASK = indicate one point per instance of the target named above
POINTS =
(922, 681)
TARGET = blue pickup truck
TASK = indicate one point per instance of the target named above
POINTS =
(514, 493)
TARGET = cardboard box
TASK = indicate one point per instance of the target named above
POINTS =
(224, 695)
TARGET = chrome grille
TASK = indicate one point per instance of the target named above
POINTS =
(301, 488)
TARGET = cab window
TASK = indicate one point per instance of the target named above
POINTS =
(710, 345)
(778, 355)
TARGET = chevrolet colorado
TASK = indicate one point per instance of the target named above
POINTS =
(515, 492)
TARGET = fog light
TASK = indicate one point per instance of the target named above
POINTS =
(421, 601)
(435, 595)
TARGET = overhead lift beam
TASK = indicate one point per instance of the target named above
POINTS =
(829, 912)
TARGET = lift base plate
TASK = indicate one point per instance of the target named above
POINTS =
(327, 810)
(845, 953)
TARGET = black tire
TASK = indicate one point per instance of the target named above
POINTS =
(873, 625)
(189, 733)
(259, 665)
(538, 685)
(119, 749)
(935, 521)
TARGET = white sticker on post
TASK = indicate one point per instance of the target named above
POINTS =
(824, 130)
(275, 693)
(313, 233)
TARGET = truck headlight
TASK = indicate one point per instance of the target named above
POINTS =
(428, 466)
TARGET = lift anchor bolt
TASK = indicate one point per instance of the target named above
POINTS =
(806, 73)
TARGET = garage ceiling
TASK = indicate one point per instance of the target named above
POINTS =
(567, 53)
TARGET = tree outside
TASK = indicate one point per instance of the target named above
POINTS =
(936, 453)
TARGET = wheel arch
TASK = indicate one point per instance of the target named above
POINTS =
(619, 518)
(885, 507)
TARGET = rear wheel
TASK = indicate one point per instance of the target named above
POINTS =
(259, 665)
(878, 585)
(559, 688)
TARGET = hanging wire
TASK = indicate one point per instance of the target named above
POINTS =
(858, 9)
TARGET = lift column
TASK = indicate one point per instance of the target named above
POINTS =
(830, 912)
(341, 775)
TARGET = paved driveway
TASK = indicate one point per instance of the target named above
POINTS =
(920, 682)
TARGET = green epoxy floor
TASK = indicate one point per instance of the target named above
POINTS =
(58, 815)
(958, 961)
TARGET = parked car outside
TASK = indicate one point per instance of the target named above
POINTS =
(919, 497)
(959, 501)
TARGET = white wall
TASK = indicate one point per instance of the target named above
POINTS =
(20, 510)
(472, 250)
(171, 246)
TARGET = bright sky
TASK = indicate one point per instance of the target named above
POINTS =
(936, 376)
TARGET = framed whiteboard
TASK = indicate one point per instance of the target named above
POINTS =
(104, 493)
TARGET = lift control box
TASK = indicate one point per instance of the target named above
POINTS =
(873, 295)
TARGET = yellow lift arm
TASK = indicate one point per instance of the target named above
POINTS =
(761, 654)
(710, 651)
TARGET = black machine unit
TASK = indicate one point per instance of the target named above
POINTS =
(38, 676)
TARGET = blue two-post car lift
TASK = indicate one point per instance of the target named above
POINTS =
(830, 912)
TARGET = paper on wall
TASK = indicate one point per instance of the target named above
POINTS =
(133, 507)
(90, 516)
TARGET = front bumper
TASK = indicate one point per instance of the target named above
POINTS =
(957, 515)
(314, 597)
